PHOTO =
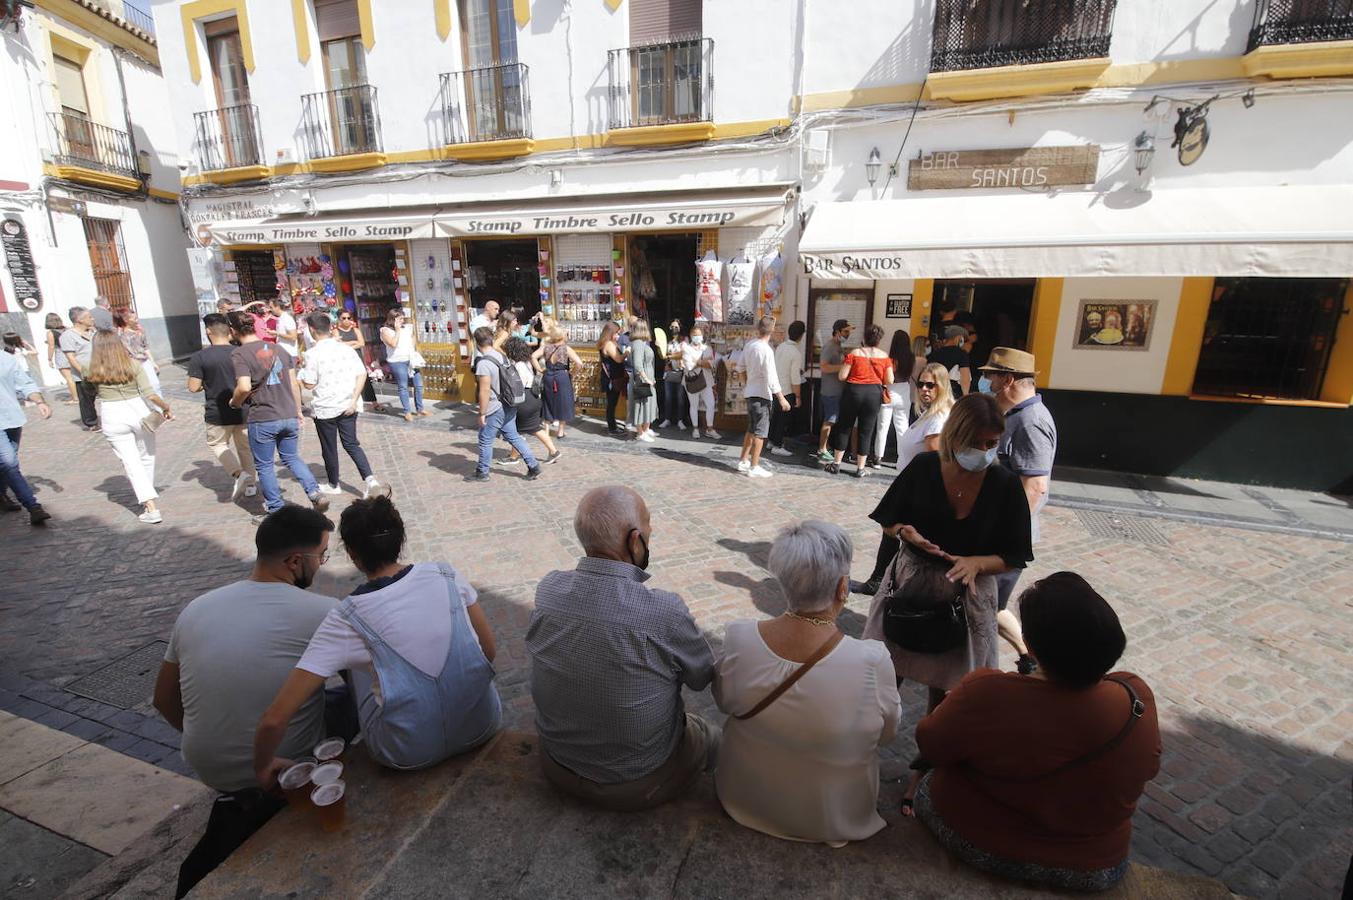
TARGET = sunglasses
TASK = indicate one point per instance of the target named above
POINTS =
(927, 385)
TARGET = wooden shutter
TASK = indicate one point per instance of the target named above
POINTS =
(70, 85)
(109, 262)
(653, 21)
(337, 19)
(221, 27)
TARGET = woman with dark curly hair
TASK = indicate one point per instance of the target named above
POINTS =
(521, 355)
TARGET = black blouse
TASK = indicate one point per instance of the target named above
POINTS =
(997, 526)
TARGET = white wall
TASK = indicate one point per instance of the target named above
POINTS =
(1121, 371)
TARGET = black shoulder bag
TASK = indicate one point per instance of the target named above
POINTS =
(925, 614)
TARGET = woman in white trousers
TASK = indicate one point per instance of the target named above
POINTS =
(695, 355)
(896, 411)
(125, 399)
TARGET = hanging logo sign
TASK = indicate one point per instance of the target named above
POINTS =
(1191, 132)
(19, 261)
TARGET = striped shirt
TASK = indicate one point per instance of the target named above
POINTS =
(608, 660)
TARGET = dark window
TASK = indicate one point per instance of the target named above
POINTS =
(1269, 337)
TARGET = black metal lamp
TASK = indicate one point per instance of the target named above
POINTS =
(1144, 148)
(871, 168)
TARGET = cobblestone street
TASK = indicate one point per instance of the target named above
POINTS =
(1244, 635)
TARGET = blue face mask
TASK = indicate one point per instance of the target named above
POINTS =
(975, 460)
(984, 385)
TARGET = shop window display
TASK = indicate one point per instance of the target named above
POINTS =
(507, 271)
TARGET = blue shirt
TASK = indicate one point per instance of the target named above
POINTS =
(15, 382)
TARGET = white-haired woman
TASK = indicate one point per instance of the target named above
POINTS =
(801, 762)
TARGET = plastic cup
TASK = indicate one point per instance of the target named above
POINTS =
(327, 773)
(330, 748)
(331, 804)
(295, 784)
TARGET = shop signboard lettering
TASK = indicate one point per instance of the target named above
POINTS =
(854, 266)
(313, 232)
(1021, 167)
(609, 220)
(19, 261)
(214, 211)
(1114, 324)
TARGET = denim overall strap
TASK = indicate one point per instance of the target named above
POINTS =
(469, 696)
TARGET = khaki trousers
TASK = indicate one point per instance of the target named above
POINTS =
(691, 757)
(236, 458)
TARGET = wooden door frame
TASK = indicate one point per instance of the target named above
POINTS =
(810, 320)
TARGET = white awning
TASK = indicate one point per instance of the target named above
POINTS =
(1302, 231)
(352, 226)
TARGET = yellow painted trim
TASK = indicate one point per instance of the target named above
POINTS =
(192, 12)
(237, 174)
(487, 150)
(162, 194)
(97, 178)
(102, 28)
(614, 4)
(349, 163)
(61, 41)
(1268, 401)
(300, 22)
(368, 28)
(1016, 81)
(1043, 326)
(1339, 374)
(653, 135)
(1315, 60)
(922, 296)
(875, 96)
(581, 142)
(441, 10)
(1186, 344)
(521, 11)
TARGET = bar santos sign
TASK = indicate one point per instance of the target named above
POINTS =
(1023, 167)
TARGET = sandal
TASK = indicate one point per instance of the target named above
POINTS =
(832, 468)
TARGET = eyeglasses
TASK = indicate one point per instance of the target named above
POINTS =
(927, 385)
(323, 557)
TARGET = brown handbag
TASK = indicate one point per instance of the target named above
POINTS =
(798, 673)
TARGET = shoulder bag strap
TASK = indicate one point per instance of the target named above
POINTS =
(827, 647)
(1135, 711)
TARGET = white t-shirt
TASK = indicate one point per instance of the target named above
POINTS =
(411, 615)
(403, 349)
(758, 361)
(286, 324)
(911, 442)
(789, 366)
(691, 356)
(333, 368)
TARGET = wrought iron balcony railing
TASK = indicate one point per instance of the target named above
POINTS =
(343, 122)
(80, 142)
(661, 84)
(138, 18)
(988, 33)
(1301, 22)
(228, 138)
(491, 103)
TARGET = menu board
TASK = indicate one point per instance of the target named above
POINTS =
(832, 305)
(19, 260)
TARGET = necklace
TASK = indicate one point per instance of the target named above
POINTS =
(811, 620)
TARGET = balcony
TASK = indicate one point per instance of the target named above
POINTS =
(229, 144)
(1013, 48)
(93, 154)
(1301, 39)
(487, 112)
(342, 129)
(661, 93)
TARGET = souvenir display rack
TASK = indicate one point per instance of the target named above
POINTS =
(374, 286)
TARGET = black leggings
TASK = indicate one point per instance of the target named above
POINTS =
(888, 547)
(860, 404)
(613, 393)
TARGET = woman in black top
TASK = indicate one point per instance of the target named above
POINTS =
(350, 333)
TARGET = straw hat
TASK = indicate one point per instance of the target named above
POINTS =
(1008, 359)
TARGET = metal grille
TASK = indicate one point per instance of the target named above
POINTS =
(108, 259)
(138, 18)
(1301, 21)
(990, 33)
(80, 142)
(1120, 527)
(661, 84)
(341, 122)
(228, 138)
(491, 103)
(1269, 337)
(126, 682)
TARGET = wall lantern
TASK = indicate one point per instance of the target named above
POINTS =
(872, 167)
(1143, 149)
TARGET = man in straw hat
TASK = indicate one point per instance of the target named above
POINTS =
(1027, 448)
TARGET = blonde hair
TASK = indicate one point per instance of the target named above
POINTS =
(109, 361)
(639, 331)
(944, 394)
(970, 418)
(555, 334)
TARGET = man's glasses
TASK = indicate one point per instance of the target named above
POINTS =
(927, 385)
(323, 557)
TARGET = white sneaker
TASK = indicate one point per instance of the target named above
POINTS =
(329, 488)
(648, 437)
(744, 465)
(242, 481)
(507, 462)
(712, 434)
(681, 425)
(374, 488)
(781, 451)
(151, 518)
(759, 472)
(251, 489)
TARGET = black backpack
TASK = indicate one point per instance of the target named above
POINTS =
(511, 391)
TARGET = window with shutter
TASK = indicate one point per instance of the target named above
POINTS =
(654, 21)
(666, 62)
(336, 19)
(70, 86)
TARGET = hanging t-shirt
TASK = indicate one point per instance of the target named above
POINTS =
(740, 302)
(709, 290)
(772, 282)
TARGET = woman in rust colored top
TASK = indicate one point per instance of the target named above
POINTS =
(1035, 777)
(867, 372)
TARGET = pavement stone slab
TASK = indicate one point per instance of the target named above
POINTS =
(26, 745)
(37, 863)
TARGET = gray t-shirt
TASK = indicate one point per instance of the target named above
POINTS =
(832, 355)
(235, 646)
(483, 366)
(1029, 444)
(81, 345)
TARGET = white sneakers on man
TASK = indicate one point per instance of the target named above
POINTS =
(329, 488)
(374, 488)
(647, 437)
(781, 451)
(758, 472)
(744, 466)
(245, 485)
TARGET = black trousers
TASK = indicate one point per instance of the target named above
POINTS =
(369, 392)
(85, 393)
(612, 399)
(234, 817)
(888, 547)
(331, 431)
(780, 419)
(860, 404)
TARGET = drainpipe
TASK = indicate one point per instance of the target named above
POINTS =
(127, 118)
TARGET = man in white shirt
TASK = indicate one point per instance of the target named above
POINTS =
(487, 319)
(763, 383)
(789, 368)
(334, 372)
(286, 327)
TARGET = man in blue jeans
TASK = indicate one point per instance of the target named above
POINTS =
(267, 390)
(14, 383)
(495, 416)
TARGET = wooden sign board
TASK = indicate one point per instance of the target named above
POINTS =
(1026, 167)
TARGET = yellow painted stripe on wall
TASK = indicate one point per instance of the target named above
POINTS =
(1339, 375)
(1195, 298)
(1043, 326)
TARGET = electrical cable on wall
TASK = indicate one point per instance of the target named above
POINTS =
(892, 169)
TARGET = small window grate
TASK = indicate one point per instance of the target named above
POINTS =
(1120, 527)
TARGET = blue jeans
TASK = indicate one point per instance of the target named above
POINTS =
(501, 421)
(278, 436)
(399, 371)
(678, 406)
(10, 476)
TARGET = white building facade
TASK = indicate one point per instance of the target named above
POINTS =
(871, 161)
(89, 179)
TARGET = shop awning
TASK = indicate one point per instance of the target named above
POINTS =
(352, 226)
(1262, 231)
(669, 211)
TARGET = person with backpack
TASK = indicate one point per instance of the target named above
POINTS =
(500, 392)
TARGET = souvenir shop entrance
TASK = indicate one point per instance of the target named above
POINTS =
(255, 275)
(664, 277)
(368, 285)
(506, 271)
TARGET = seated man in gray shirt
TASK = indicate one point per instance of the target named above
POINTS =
(608, 661)
(229, 654)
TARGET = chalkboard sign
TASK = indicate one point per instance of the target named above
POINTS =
(19, 259)
(899, 306)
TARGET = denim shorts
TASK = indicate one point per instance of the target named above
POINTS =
(831, 408)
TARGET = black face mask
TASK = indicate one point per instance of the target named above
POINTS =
(642, 564)
(301, 579)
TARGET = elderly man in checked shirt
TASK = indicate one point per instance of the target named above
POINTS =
(608, 660)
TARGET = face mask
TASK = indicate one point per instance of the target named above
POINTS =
(642, 563)
(975, 460)
(303, 580)
(984, 385)
(697, 340)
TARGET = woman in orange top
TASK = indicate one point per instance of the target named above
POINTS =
(867, 372)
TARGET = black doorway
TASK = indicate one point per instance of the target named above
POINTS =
(1000, 310)
(664, 277)
(506, 271)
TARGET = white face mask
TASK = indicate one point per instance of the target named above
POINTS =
(697, 339)
(975, 460)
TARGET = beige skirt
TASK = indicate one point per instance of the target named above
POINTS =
(942, 671)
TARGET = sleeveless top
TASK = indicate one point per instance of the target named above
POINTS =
(874, 370)
(556, 357)
(348, 337)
